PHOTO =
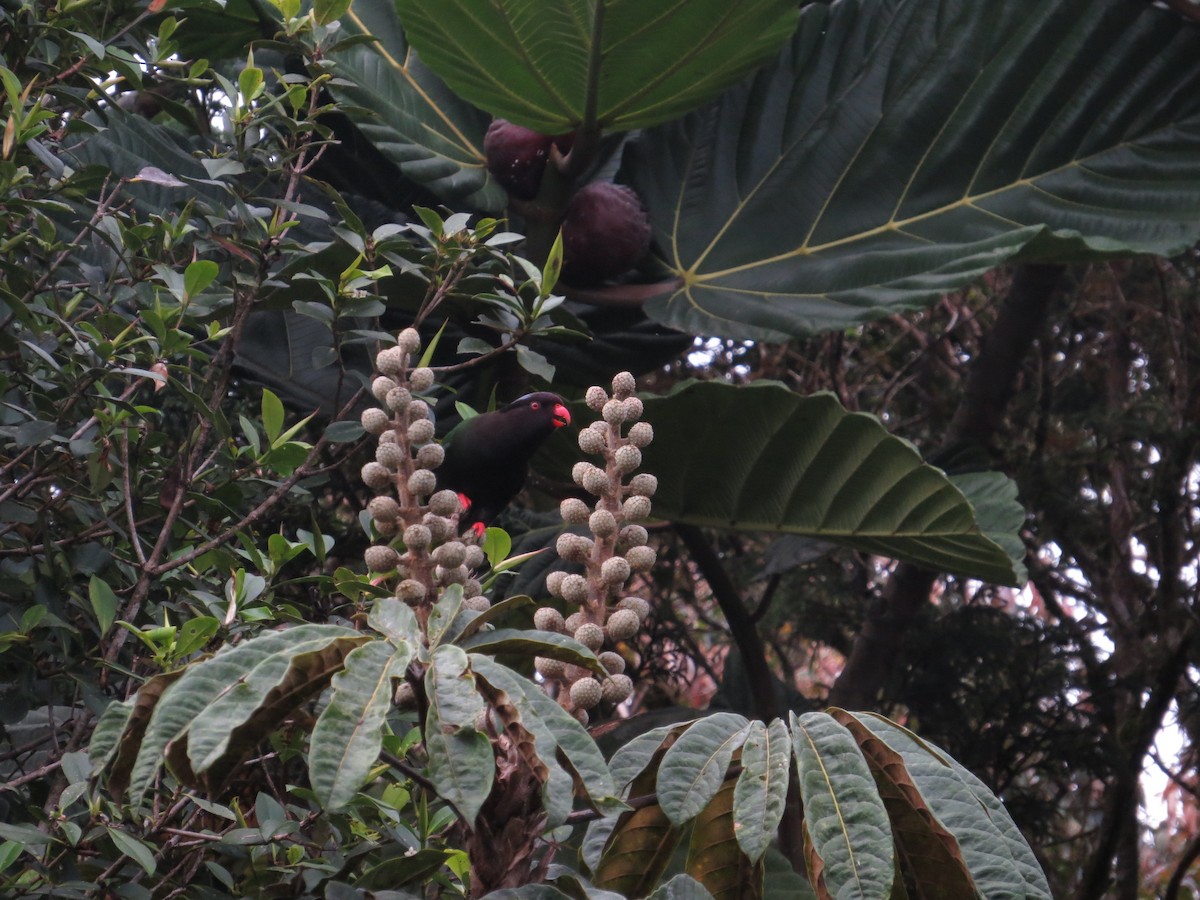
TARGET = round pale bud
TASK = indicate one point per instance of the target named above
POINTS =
(586, 693)
(381, 558)
(450, 554)
(633, 409)
(590, 635)
(548, 619)
(398, 398)
(475, 557)
(643, 485)
(389, 437)
(641, 559)
(573, 547)
(573, 511)
(640, 433)
(574, 589)
(380, 387)
(450, 574)
(417, 537)
(636, 507)
(602, 523)
(443, 503)
(389, 453)
(404, 697)
(472, 588)
(384, 508)
(614, 570)
(596, 397)
(591, 441)
(614, 663)
(421, 379)
(422, 482)
(595, 481)
(410, 591)
(636, 605)
(439, 526)
(573, 621)
(409, 340)
(431, 456)
(632, 536)
(376, 476)
(386, 529)
(623, 624)
(478, 602)
(613, 412)
(375, 420)
(417, 410)
(616, 689)
(390, 361)
(554, 582)
(580, 470)
(420, 431)
(581, 716)
(628, 458)
(550, 668)
(623, 384)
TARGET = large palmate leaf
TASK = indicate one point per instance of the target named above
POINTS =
(408, 113)
(899, 148)
(762, 458)
(552, 65)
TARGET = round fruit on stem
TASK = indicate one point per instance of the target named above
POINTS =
(605, 233)
(516, 156)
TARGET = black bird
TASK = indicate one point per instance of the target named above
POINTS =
(487, 457)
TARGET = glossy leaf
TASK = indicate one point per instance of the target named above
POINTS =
(346, 740)
(681, 887)
(761, 790)
(762, 458)
(694, 767)
(898, 149)
(851, 851)
(534, 643)
(998, 858)
(552, 64)
(409, 115)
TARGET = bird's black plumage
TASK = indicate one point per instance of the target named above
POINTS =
(487, 457)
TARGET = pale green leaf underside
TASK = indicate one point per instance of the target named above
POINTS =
(762, 458)
(1000, 861)
(540, 63)
(900, 148)
(845, 815)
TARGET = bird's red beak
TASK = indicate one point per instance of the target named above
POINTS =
(561, 416)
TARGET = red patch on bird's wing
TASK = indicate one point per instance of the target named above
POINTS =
(464, 502)
(479, 528)
(561, 416)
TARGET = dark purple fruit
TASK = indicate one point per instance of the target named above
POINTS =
(606, 232)
(516, 156)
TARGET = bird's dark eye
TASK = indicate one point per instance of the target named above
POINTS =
(535, 405)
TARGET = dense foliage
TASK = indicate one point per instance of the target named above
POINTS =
(252, 253)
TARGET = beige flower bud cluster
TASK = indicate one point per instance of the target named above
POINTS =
(617, 549)
(421, 549)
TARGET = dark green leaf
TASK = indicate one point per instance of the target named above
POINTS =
(897, 150)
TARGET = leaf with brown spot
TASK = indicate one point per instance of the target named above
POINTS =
(714, 857)
(930, 856)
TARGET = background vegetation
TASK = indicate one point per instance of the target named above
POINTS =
(905, 249)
